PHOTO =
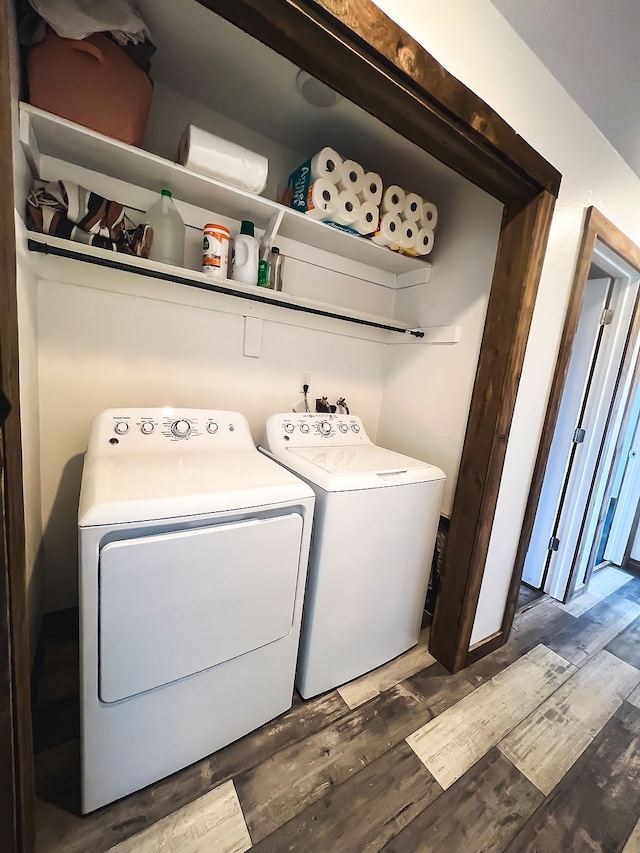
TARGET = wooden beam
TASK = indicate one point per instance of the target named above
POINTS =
(16, 763)
(521, 249)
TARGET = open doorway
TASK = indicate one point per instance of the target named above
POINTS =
(590, 430)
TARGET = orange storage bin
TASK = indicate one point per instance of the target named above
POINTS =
(92, 82)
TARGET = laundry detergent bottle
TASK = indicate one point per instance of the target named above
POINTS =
(245, 255)
(168, 231)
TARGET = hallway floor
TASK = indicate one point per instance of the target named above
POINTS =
(534, 749)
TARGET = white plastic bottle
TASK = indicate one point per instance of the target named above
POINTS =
(168, 231)
(245, 255)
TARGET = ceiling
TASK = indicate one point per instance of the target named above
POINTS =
(591, 47)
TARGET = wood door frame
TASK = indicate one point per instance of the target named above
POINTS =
(596, 228)
(16, 752)
(356, 49)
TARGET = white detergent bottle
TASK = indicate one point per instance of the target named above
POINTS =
(168, 231)
(245, 255)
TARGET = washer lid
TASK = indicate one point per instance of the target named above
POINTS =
(363, 459)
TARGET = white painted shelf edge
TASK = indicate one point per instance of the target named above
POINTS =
(42, 133)
(59, 247)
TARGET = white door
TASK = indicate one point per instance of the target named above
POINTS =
(561, 455)
(627, 498)
(175, 604)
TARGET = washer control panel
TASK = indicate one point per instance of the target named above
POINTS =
(136, 430)
(312, 430)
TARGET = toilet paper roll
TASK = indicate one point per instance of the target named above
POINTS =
(368, 219)
(429, 215)
(372, 188)
(218, 158)
(424, 241)
(322, 199)
(389, 229)
(327, 164)
(393, 199)
(408, 236)
(352, 177)
(413, 207)
(347, 209)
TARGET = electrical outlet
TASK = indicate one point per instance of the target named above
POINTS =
(306, 380)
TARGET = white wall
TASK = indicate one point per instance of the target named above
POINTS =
(476, 44)
(100, 349)
(428, 388)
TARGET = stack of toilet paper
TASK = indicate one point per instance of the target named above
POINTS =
(336, 191)
(407, 223)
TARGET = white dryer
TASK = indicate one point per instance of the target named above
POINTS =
(193, 560)
(375, 525)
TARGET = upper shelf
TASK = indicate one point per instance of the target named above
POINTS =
(45, 134)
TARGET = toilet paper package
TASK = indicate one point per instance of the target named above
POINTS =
(372, 188)
(223, 160)
(429, 215)
(388, 230)
(315, 197)
(348, 208)
(393, 200)
(413, 207)
(367, 222)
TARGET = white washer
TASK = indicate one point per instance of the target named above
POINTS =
(375, 524)
(193, 559)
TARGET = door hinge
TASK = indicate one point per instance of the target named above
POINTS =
(578, 436)
(606, 317)
(554, 544)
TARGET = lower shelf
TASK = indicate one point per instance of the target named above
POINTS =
(59, 247)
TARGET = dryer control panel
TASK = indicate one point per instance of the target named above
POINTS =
(312, 430)
(137, 430)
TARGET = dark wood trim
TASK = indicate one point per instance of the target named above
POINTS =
(17, 802)
(632, 566)
(485, 647)
(361, 53)
(521, 249)
(596, 227)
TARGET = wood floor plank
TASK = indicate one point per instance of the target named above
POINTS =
(548, 742)
(61, 829)
(451, 743)
(360, 690)
(280, 788)
(533, 626)
(595, 807)
(630, 591)
(626, 645)
(213, 822)
(439, 687)
(634, 698)
(480, 813)
(595, 629)
(633, 842)
(363, 813)
(602, 584)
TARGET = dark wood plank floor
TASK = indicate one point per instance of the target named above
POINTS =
(324, 778)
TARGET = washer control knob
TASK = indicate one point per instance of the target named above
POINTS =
(343, 428)
(355, 427)
(324, 427)
(181, 428)
(121, 428)
(304, 428)
(146, 428)
(289, 428)
(212, 427)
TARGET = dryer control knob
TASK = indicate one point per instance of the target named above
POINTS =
(181, 428)
(212, 427)
(147, 428)
(324, 427)
(304, 428)
(289, 428)
(121, 427)
(343, 428)
(355, 427)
